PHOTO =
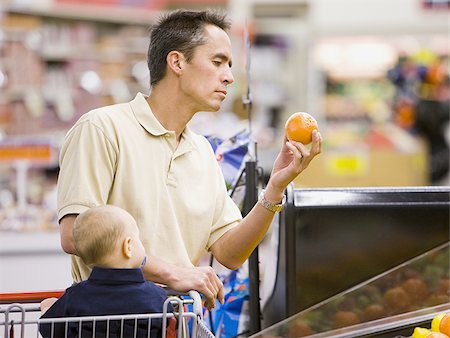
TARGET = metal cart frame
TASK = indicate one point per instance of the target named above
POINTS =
(16, 322)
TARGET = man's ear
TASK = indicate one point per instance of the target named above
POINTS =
(127, 247)
(175, 61)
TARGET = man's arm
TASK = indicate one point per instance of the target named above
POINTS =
(236, 245)
(66, 234)
(203, 279)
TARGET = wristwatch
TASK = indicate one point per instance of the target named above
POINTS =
(269, 205)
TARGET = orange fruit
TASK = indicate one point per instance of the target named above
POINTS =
(444, 286)
(374, 311)
(345, 318)
(416, 289)
(444, 327)
(300, 329)
(436, 322)
(436, 299)
(397, 300)
(299, 127)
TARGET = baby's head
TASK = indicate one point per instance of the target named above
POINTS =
(108, 236)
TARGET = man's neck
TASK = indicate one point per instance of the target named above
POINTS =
(170, 110)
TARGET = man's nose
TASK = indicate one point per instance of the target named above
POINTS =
(228, 77)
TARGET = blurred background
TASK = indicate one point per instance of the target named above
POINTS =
(374, 73)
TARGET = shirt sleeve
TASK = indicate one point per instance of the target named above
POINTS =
(87, 166)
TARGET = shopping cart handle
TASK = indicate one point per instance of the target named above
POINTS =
(195, 299)
(28, 297)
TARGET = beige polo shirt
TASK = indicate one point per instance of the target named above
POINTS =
(122, 155)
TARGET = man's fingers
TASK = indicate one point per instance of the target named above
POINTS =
(210, 304)
(219, 289)
(221, 296)
(211, 287)
(202, 279)
(298, 154)
(317, 143)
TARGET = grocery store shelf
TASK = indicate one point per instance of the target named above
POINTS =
(109, 14)
(386, 325)
(372, 196)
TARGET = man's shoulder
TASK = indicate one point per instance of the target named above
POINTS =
(107, 113)
(109, 119)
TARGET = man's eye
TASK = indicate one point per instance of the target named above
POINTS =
(217, 63)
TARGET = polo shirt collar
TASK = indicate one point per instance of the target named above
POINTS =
(116, 276)
(145, 117)
(187, 138)
(149, 122)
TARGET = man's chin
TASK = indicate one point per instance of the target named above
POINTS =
(212, 109)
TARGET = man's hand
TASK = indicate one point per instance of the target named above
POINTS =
(202, 279)
(293, 158)
(182, 279)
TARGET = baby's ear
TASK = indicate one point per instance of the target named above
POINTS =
(127, 247)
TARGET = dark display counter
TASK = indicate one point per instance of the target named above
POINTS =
(391, 304)
(334, 239)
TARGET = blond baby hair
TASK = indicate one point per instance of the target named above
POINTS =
(96, 233)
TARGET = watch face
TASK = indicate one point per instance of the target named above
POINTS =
(269, 205)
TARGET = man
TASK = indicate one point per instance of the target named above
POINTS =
(142, 157)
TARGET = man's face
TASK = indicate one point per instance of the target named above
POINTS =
(206, 77)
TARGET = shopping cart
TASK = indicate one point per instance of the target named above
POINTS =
(20, 312)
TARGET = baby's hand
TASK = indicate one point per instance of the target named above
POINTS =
(47, 303)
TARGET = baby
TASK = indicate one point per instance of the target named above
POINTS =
(107, 239)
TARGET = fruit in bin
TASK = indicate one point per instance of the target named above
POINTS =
(416, 289)
(363, 301)
(440, 326)
(411, 273)
(433, 273)
(347, 304)
(389, 281)
(299, 127)
(374, 311)
(371, 291)
(420, 332)
(436, 299)
(437, 335)
(436, 322)
(444, 286)
(444, 326)
(397, 300)
(300, 329)
(345, 318)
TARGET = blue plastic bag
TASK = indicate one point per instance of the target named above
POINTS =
(231, 155)
(231, 318)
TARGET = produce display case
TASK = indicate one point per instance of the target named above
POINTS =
(388, 305)
(333, 239)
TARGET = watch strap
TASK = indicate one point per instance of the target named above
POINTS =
(269, 205)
